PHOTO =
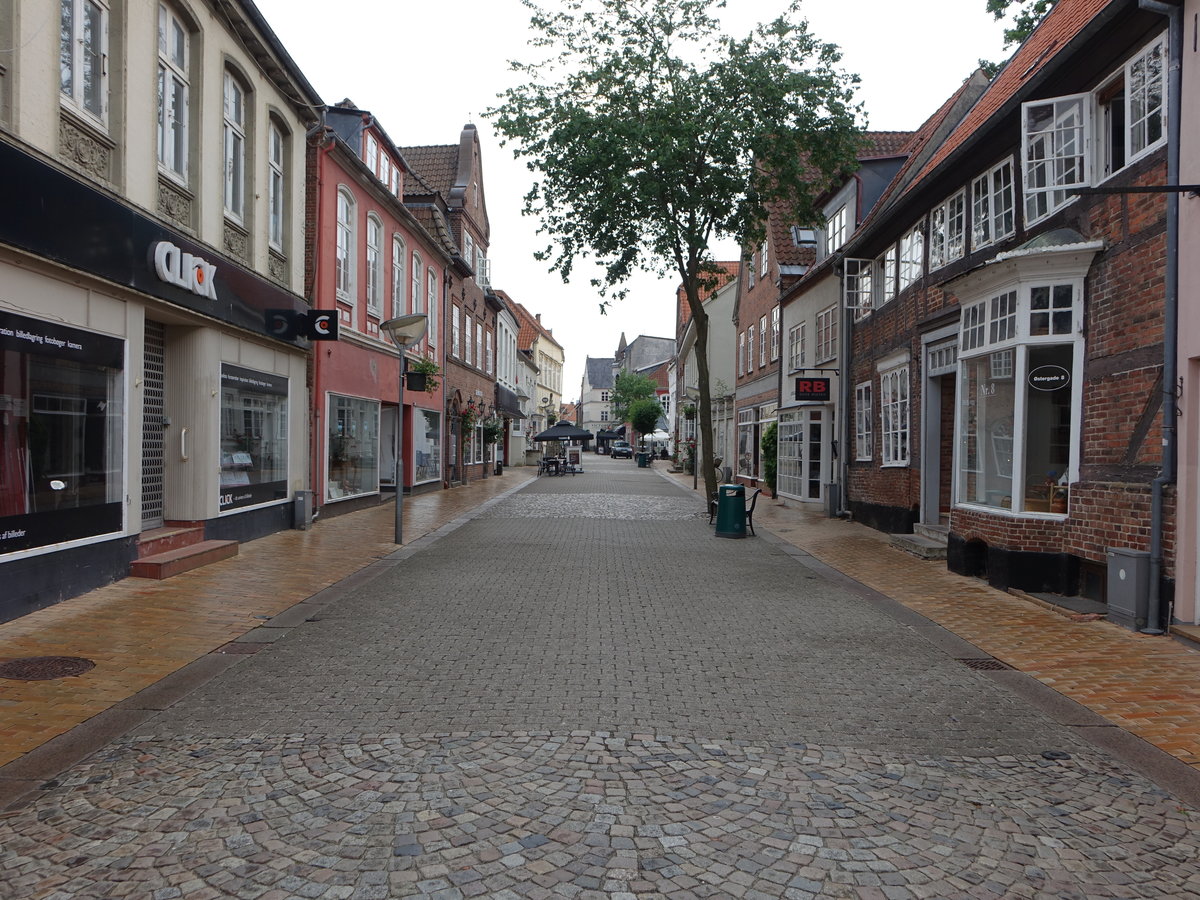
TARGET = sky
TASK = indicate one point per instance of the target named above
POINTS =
(424, 69)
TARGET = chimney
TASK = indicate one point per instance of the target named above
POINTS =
(538, 316)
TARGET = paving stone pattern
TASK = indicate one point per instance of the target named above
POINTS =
(600, 705)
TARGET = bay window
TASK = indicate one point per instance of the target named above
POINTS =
(1018, 397)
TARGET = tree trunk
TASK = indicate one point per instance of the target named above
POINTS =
(704, 430)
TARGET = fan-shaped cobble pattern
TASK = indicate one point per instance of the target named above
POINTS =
(590, 814)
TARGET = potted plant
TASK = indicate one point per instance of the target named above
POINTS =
(467, 417)
(492, 429)
(1058, 499)
(419, 375)
(689, 411)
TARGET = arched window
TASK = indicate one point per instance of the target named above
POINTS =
(276, 184)
(174, 49)
(235, 147)
(344, 260)
(399, 252)
(374, 264)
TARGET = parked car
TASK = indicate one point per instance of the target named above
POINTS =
(622, 449)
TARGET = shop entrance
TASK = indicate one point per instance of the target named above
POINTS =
(153, 429)
(937, 445)
(801, 453)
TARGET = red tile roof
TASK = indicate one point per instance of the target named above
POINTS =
(529, 328)
(1065, 20)
(436, 165)
(729, 271)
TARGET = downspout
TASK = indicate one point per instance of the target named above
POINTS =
(844, 380)
(316, 461)
(1174, 14)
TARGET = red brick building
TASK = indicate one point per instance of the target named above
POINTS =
(1007, 365)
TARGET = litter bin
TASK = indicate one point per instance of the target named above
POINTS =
(731, 511)
(643, 460)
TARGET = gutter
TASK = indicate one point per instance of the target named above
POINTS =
(1167, 474)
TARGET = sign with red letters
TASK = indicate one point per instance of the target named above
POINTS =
(812, 389)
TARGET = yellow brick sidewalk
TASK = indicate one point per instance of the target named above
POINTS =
(1147, 685)
(139, 631)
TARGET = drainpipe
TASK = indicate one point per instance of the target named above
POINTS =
(1174, 14)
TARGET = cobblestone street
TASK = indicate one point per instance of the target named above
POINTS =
(579, 692)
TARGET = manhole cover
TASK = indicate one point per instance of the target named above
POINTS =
(986, 664)
(44, 668)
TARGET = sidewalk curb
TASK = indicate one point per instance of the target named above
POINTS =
(1171, 774)
(26, 776)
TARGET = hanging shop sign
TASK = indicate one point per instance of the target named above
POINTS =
(316, 324)
(812, 389)
(1049, 378)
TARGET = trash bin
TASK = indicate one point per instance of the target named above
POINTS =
(731, 511)
(643, 460)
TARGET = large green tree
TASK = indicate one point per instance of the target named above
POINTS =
(628, 388)
(644, 415)
(650, 133)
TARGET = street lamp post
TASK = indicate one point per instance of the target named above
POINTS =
(405, 331)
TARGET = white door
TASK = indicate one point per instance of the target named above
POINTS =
(801, 448)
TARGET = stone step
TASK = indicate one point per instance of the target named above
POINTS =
(169, 537)
(921, 546)
(183, 559)
(933, 532)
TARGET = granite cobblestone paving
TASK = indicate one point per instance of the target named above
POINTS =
(581, 693)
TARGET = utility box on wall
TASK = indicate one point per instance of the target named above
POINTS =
(1128, 586)
(303, 510)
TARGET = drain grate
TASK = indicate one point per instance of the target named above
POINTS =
(985, 664)
(44, 668)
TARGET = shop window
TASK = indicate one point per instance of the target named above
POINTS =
(1017, 400)
(427, 446)
(61, 426)
(747, 461)
(254, 437)
(353, 447)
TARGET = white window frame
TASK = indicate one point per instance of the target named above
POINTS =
(372, 154)
(864, 423)
(764, 265)
(468, 339)
(491, 352)
(858, 286)
(374, 241)
(174, 89)
(1056, 157)
(762, 341)
(399, 278)
(993, 205)
(741, 353)
(796, 349)
(455, 331)
(276, 183)
(345, 251)
(827, 334)
(776, 333)
(1138, 87)
(887, 284)
(836, 230)
(479, 344)
(911, 260)
(947, 230)
(84, 52)
(234, 99)
(749, 349)
(895, 433)
(433, 305)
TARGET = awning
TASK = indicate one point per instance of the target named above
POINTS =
(507, 403)
(607, 435)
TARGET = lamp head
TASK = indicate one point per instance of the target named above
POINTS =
(406, 330)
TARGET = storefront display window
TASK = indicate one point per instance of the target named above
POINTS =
(61, 425)
(253, 437)
(1016, 401)
(353, 447)
(427, 445)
